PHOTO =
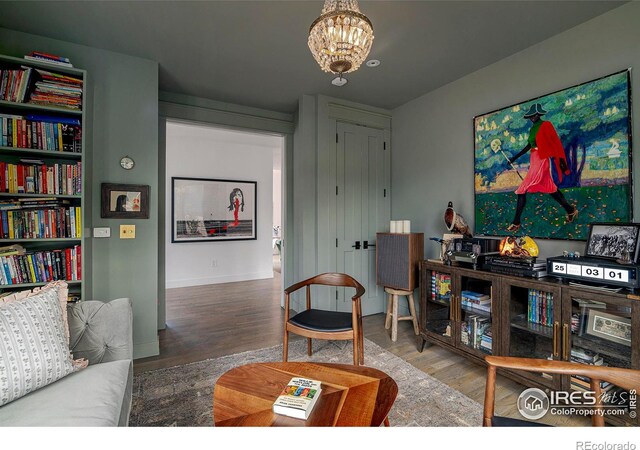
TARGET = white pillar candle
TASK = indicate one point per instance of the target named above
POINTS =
(406, 226)
(394, 226)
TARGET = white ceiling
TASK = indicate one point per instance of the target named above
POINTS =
(255, 53)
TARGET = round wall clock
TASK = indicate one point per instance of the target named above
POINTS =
(127, 163)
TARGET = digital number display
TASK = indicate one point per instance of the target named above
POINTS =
(593, 272)
(559, 268)
(616, 275)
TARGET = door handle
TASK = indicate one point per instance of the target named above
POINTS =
(565, 344)
(556, 332)
(366, 245)
(357, 246)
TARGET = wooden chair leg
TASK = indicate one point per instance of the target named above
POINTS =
(361, 333)
(285, 346)
(356, 358)
(386, 422)
(309, 349)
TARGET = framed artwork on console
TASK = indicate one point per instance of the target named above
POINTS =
(550, 166)
(205, 209)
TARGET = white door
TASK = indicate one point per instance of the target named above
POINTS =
(363, 209)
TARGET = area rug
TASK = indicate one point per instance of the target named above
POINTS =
(182, 395)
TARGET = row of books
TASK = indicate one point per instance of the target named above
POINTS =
(42, 87)
(34, 177)
(41, 223)
(475, 300)
(14, 84)
(41, 132)
(49, 59)
(540, 307)
(41, 267)
(473, 330)
(440, 287)
(591, 358)
(55, 89)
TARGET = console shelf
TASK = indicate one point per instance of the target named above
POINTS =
(530, 318)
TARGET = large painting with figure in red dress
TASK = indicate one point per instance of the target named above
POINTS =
(550, 166)
(212, 210)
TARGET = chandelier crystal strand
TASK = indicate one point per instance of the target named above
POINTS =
(341, 38)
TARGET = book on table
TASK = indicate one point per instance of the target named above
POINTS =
(298, 398)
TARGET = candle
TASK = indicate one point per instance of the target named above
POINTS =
(406, 226)
(394, 226)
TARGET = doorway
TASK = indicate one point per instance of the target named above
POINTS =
(363, 208)
(204, 151)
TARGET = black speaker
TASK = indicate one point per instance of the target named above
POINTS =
(397, 258)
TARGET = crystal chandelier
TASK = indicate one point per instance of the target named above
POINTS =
(340, 39)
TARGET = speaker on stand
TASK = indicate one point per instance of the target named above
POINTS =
(397, 259)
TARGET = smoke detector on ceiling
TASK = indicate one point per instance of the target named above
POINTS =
(339, 81)
(373, 63)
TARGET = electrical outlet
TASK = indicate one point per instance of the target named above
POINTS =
(127, 231)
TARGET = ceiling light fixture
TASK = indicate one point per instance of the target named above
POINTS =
(339, 81)
(340, 39)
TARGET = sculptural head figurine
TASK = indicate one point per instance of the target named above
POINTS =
(455, 222)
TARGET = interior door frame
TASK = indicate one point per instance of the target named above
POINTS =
(337, 112)
(177, 108)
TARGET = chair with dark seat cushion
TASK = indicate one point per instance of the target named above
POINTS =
(322, 324)
(625, 378)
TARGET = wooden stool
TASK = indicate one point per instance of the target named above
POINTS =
(392, 311)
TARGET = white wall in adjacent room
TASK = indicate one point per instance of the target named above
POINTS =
(200, 151)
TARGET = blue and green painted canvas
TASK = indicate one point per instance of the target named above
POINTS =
(593, 123)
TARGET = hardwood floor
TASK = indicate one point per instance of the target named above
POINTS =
(216, 320)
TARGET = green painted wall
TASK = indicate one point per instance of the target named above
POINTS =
(123, 112)
(432, 153)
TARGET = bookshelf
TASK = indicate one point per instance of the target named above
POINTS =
(530, 318)
(43, 177)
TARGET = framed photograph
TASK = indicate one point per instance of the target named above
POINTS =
(609, 327)
(618, 241)
(550, 166)
(205, 209)
(124, 201)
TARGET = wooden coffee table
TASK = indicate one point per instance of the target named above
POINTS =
(351, 395)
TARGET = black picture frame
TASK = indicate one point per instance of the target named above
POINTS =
(213, 210)
(594, 247)
(124, 201)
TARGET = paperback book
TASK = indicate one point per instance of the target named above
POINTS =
(298, 398)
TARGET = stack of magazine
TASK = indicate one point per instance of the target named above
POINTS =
(516, 266)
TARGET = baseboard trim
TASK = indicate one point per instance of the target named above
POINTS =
(170, 284)
(146, 349)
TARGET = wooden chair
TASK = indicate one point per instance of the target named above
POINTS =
(321, 324)
(625, 378)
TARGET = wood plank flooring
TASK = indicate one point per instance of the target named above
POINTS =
(216, 320)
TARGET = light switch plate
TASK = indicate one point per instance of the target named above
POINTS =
(102, 232)
(127, 231)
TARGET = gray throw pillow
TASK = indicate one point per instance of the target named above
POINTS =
(34, 351)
